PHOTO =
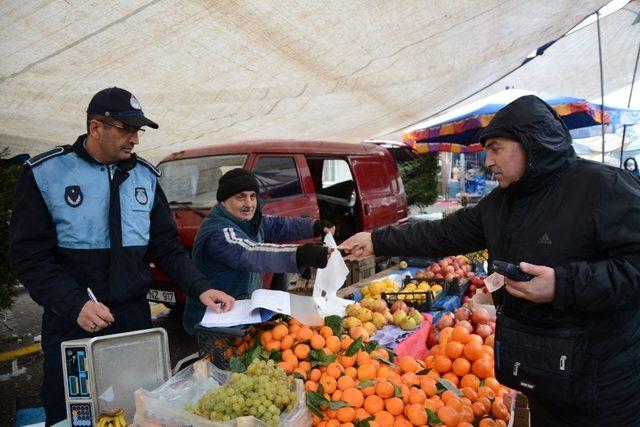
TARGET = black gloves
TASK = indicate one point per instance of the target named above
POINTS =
(319, 226)
(312, 255)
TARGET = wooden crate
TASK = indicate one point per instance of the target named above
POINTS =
(359, 268)
(521, 413)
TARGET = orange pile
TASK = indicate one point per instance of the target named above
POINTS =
(462, 358)
(399, 394)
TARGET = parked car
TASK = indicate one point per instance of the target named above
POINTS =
(355, 186)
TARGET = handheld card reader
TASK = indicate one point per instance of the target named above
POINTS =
(511, 271)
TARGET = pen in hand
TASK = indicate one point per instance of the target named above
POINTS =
(94, 299)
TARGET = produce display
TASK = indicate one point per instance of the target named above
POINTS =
(476, 321)
(448, 269)
(475, 286)
(112, 418)
(377, 287)
(417, 290)
(263, 391)
(479, 257)
(374, 314)
(351, 381)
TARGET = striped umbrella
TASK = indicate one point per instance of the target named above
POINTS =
(459, 133)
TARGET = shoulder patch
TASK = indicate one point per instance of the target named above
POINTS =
(35, 160)
(150, 166)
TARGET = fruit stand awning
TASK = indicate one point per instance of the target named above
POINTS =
(464, 128)
(222, 71)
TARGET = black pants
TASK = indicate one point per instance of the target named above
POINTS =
(129, 317)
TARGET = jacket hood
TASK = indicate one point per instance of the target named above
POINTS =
(545, 137)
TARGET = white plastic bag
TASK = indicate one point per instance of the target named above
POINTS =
(165, 405)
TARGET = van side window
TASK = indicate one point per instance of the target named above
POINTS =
(194, 181)
(277, 177)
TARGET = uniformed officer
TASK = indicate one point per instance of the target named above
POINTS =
(92, 215)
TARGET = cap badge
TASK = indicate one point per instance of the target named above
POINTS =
(134, 103)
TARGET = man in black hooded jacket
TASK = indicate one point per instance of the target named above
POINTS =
(575, 226)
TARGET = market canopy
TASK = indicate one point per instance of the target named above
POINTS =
(462, 126)
(571, 65)
(220, 71)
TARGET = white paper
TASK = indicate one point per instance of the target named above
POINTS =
(242, 313)
(308, 310)
(277, 301)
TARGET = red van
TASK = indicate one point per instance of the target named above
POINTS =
(355, 186)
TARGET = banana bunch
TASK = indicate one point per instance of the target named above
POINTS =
(112, 418)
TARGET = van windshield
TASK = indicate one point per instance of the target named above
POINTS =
(194, 182)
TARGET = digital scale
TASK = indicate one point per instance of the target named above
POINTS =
(103, 373)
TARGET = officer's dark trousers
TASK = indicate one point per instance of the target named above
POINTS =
(129, 317)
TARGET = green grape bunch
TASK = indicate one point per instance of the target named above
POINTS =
(264, 391)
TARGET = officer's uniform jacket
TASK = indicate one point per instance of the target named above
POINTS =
(77, 223)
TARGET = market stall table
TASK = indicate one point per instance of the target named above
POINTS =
(446, 303)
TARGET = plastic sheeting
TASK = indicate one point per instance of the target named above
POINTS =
(571, 66)
(212, 71)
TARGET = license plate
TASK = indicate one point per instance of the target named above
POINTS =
(161, 296)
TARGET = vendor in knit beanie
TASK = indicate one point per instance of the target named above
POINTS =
(236, 244)
(236, 181)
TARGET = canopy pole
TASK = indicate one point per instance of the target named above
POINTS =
(601, 82)
(633, 80)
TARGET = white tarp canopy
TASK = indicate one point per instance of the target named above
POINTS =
(570, 67)
(591, 148)
(209, 71)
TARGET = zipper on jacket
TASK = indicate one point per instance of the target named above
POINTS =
(563, 360)
(515, 369)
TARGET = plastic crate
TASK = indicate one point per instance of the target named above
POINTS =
(420, 261)
(221, 344)
(459, 287)
(456, 287)
(420, 300)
